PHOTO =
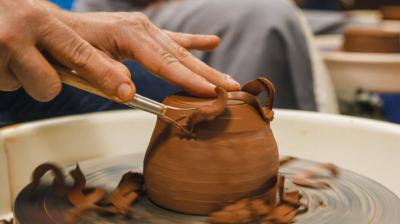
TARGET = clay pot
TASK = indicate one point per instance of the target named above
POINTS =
(391, 12)
(228, 158)
(371, 40)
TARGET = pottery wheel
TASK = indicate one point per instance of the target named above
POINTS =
(352, 198)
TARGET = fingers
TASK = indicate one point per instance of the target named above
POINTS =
(8, 82)
(35, 74)
(67, 47)
(194, 42)
(193, 63)
(159, 61)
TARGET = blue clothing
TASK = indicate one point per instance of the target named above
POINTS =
(65, 4)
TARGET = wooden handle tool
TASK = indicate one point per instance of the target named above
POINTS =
(138, 102)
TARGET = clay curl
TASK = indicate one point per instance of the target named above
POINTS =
(307, 178)
(89, 199)
(257, 210)
(209, 112)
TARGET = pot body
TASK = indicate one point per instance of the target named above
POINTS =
(231, 157)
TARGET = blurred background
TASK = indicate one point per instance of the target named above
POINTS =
(329, 20)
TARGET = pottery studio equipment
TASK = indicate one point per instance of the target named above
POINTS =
(391, 12)
(171, 157)
(367, 58)
(230, 155)
(352, 199)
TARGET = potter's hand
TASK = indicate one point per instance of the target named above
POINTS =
(133, 36)
(27, 30)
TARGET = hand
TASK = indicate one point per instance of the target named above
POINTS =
(132, 36)
(27, 30)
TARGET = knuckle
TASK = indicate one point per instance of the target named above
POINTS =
(9, 85)
(183, 39)
(6, 39)
(187, 42)
(138, 20)
(182, 53)
(124, 70)
(106, 80)
(81, 53)
(140, 16)
(167, 61)
(32, 14)
(7, 81)
(125, 22)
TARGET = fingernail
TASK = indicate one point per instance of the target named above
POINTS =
(124, 91)
(233, 82)
(212, 85)
(228, 77)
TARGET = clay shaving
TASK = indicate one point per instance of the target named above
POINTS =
(85, 199)
(250, 210)
(209, 112)
(289, 205)
(6, 221)
(257, 86)
(307, 178)
(287, 160)
(257, 210)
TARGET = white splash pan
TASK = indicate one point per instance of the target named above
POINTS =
(374, 72)
(370, 148)
(370, 71)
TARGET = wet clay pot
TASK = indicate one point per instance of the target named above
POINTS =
(371, 40)
(391, 12)
(228, 157)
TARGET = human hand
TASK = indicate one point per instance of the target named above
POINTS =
(27, 30)
(124, 35)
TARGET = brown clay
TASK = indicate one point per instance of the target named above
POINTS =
(391, 12)
(6, 221)
(371, 40)
(231, 157)
(307, 178)
(86, 199)
(258, 211)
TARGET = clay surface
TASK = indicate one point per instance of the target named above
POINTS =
(230, 157)
(371, 40)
